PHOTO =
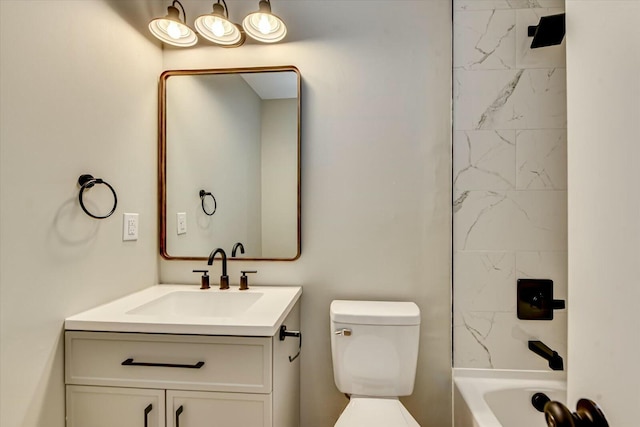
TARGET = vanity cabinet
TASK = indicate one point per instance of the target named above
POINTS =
(165, 380)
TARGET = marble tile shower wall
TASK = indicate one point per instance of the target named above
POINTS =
(510, 198)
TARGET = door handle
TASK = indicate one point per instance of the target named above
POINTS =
(587, 414)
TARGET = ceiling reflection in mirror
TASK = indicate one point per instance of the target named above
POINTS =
(229, 163)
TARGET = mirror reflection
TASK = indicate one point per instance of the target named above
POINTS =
(230, 163)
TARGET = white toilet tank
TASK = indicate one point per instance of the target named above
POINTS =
(374, 346)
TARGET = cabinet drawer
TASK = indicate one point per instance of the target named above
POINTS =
(215, 363)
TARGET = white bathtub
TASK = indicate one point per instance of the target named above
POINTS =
(500, 398)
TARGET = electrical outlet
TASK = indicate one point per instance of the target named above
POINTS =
(130, 226)
(181, 221)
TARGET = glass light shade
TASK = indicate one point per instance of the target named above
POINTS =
(172, 30)
(263, 25)
(216, 28)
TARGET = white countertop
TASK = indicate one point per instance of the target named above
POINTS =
(263, 318)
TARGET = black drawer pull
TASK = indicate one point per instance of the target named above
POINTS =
(130, 362)
(178, 412)
(146, 414)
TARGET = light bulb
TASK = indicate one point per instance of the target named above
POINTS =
(217, 27)
(173, 30)
(263, 25)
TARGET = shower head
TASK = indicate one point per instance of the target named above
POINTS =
(548, 32)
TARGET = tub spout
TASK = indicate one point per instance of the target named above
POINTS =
(555, 361)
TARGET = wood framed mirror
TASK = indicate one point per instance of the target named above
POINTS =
(229, 163)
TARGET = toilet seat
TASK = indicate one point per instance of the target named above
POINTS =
(375, 412)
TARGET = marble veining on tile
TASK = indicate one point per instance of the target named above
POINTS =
(541, 159)
(457, 203)
(503, 96)
(485, 280)
(484, 40)
(474, 329)
(484, 160)
(516, 99)
(465, 221)
(511, 220)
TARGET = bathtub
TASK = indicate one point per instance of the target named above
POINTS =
(502, 398)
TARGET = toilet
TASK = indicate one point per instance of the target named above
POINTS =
(374, 348)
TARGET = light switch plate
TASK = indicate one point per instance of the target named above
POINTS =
(130, 226)
(181, 221)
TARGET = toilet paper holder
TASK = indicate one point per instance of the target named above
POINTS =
(284, 333)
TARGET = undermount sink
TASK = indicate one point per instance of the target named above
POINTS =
(185, 309)
(199, 304)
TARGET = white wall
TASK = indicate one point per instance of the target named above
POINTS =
(376, 173)
(603, 59)
(78, 95)
(510, 186)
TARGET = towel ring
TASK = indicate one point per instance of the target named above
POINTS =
(88, 181)
(204, 194)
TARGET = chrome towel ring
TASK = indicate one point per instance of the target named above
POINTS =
(87, 181)
(204, 194)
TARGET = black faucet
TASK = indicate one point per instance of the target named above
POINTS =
(555, 361)
(235, 248)
(224, 279)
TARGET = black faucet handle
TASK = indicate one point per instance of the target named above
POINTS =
(204, 280)
(244, 280)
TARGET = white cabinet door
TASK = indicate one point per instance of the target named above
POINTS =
(89, 406)
(198, 409)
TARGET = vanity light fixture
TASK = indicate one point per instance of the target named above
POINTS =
(172, 30)
(217, 28)
(263, 25)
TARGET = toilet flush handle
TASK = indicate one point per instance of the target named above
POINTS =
(345, 332)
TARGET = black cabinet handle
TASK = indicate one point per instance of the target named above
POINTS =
(146, 414)
(130, 362)
(178, 412)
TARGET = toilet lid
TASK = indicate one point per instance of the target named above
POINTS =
(372, 412)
